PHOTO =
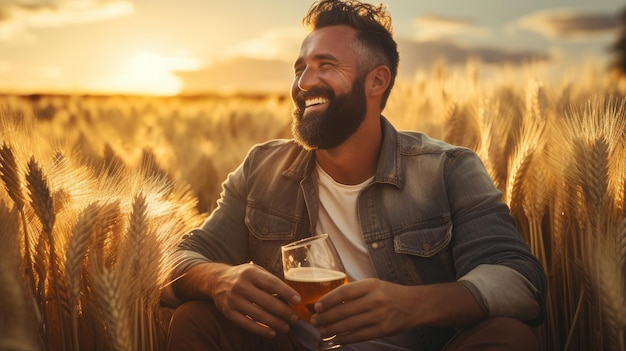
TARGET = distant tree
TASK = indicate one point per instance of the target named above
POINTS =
(619, 49)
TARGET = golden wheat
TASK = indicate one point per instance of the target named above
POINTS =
(16, 325)
(115, 181)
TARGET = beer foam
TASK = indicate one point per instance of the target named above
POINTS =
(313, 274)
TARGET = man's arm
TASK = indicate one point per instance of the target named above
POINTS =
(502, 291)
(246, 294)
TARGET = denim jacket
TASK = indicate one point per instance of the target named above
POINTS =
(431, 214)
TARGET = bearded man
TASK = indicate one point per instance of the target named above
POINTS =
(432, 254)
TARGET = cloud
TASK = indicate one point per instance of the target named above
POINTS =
(416, 55)
(433, 27)
(275, 43)
(17, 17)
(568, 24)
(263, 63)
(239, 74)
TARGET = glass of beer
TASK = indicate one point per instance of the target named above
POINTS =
(313, 268)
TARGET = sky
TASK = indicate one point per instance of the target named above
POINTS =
(167, 47)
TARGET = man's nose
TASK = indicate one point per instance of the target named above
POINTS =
(308, 79)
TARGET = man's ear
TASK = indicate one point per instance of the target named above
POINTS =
(378, 80)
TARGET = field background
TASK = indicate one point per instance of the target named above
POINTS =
(98, 189)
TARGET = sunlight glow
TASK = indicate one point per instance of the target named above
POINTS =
(152, 74)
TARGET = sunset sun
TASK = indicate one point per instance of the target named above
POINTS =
(153, 74)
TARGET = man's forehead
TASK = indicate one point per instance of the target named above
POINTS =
(338, 32)
(327, 38)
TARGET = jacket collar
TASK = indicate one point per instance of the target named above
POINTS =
(388, 169)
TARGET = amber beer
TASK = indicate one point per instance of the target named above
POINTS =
(312, 283)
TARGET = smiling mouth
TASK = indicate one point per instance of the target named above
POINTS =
(315, 101)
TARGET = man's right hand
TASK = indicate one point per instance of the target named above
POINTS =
(247, 294)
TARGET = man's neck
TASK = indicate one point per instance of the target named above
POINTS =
(355, 160)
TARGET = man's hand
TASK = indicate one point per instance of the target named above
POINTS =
(362, 310)
(247, 294)
(371, 309)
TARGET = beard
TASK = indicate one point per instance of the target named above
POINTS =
(331, 127)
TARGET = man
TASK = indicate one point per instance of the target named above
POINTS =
(432, 255)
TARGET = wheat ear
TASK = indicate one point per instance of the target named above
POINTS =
(113, 312)
(42, 204)
(10, 175)
(105, 282)
(75, 255)
(462, 127)
(141, 261)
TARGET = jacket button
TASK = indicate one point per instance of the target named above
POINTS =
(375, 246)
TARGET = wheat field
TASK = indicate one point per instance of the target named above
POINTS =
(98, 189)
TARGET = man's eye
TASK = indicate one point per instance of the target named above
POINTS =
(324, 65)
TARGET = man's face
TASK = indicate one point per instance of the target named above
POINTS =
(328, 91)
(330, 127)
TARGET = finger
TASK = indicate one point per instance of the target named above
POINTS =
(276, 306)
(266, 295)
(341, 294)
(357, 335)
(273, 285)
(268, 318)
(254, 317)
(344, 317)
(249, 324)
(270, 293)
(367, 324)
(269, 310)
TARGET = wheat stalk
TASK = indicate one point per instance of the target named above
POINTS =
(501, 136)
(141, 252)
(594, 144)
(113, 311)
(87, 223)
(18, 318)
(41, 198)
(10, 175)
(41, 202)
(462, 127)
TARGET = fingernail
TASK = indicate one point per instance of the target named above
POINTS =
(319, 307)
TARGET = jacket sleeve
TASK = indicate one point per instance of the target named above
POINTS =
(221, 238)
(485, 236)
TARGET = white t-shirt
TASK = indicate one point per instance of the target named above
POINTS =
(339, 218)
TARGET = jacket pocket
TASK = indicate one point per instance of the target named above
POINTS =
(424, 242)
(266, 225)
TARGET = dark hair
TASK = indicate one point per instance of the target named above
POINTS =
(374, 40)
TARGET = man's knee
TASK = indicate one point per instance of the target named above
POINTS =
(495, 333)
(197, 323)
(194, 314)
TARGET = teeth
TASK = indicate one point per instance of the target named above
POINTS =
(315, 101)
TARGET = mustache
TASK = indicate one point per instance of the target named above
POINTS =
(314, 92)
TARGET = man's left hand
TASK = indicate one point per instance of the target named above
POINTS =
(363, 310)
